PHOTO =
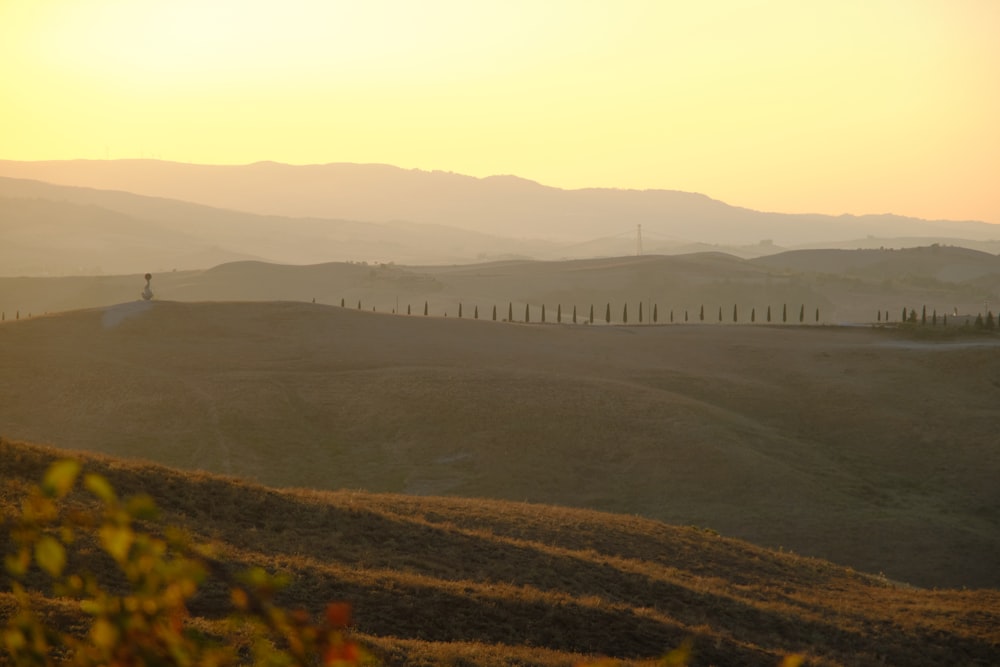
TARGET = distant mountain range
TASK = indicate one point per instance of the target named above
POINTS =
(72, 217)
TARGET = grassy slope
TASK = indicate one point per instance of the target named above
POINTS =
(849, 444)
(435, 580)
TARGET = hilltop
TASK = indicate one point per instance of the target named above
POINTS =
(477, 582)
(846, 286)
(858, 445)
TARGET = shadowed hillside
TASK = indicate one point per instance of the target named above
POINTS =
(858, 445)
(474, 582)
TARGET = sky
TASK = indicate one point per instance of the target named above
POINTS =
(847, 106)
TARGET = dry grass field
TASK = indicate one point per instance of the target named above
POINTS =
(452, 581)
(868, 447)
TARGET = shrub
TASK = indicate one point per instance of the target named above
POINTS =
(146, 623)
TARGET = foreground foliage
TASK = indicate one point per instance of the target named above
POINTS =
(145, 622)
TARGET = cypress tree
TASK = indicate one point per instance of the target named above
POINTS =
(543, 313)
(671, 315)
(879, 316)
(913, 316)
(425, 309)
(407, 309)
(494, 312)
(784, 312)
(655, 314)
(459, 308)
(359, 304)
(510, 311)
(607, 314)
(527, 315)
(979, 321)
(475, 313)
(753, 314)
(735, 318)
(625, 314)
(769, 313)
(802, 314)
(904, 314)
(685, 315)
(720, 313)
(934, 318)
(990, 321)
(923, 315)
(574, 313)
(640, 312)
(558, 313)
(591, 313)
(945, 322)
(341, 302)
(701, 314)
(817, 314)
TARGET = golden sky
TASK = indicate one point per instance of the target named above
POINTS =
(839, 106)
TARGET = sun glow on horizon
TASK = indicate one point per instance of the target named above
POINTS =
(856, 107)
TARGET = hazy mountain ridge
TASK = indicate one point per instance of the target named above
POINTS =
(499, 206)
(122, 232)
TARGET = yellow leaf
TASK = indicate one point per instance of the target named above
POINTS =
(117, 540)
(100, 487)
(18, 565)
(51, 555)
(60, 477)
(104, 634)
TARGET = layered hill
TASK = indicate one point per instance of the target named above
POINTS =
(498, 206)
(845, 286)
(474, 582)
(858, 445)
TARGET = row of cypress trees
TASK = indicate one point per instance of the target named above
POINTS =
(625, 316)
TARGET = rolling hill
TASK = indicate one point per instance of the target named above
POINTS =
(476, 582)
(846, 286)
(858, 445)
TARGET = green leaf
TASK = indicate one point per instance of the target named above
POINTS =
(99, 487)
(60, 477)
(51, 555)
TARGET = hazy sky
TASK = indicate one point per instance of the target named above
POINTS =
(834, 106)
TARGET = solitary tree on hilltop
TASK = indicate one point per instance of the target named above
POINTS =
(753, 314)
(607, 315)
(802, 314)
(459, 308)
(720, 313)
(475, 313)
(784, 312)
(527, 314)
(591, 313)
(640, 312)
(769, 313)
(558, 313)
(625, 314)
(735, 314)
(655, 314)
(359, 304)
(425, 309)
(817, 314)
(543, 313)
(494, 312)
(341, 302)
(701, 314)
(510, 311)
